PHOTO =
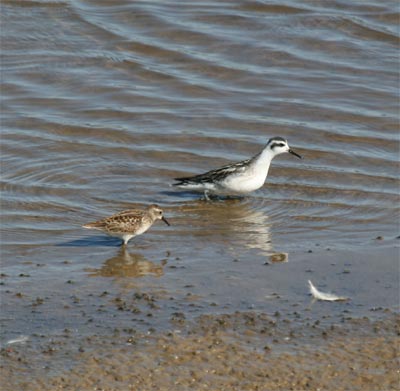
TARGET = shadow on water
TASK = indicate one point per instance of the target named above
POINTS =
(92, 241)
(195, 195)
(180, 194)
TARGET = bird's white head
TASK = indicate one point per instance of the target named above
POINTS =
(157, 213)
(278, 145)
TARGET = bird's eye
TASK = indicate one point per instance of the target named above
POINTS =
(277, 145)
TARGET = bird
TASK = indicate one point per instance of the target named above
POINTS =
(129, 223)
(237, 178)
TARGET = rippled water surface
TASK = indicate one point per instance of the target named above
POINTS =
(103, 103)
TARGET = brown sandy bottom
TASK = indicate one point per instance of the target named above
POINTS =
(240, 351)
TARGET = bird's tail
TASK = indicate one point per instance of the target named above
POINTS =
(94, 225)
(183, 181)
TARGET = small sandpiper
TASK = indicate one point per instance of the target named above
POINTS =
(129, 223)
(237, 178)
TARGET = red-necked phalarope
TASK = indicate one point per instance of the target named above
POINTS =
(129, 223)
(237, 178)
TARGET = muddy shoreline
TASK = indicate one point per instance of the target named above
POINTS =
(130, 326)
(243, 350)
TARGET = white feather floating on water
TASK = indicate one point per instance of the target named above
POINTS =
(324, 296)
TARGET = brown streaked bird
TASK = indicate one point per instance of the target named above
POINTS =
(129, 223)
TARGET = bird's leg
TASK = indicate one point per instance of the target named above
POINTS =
(206, 195)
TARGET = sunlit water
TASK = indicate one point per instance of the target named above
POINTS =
(103, 103)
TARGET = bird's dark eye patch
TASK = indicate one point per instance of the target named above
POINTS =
(277, 145)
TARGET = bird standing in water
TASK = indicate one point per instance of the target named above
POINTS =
(237, 178)
(129, 223)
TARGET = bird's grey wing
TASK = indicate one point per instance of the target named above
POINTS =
(216, 175)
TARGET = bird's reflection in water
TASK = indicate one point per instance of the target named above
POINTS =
(257, 228)
(235, 222)
(126, 264)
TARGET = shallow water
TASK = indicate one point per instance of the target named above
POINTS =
(103, 103)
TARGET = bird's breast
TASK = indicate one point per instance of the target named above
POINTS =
(245, 183)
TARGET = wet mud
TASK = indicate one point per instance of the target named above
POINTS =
(243, 350)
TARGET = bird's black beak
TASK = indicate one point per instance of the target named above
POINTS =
(294, 153)
(165, 220)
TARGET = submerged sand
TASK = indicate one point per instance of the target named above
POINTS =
(239, 351)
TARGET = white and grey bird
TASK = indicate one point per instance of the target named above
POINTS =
(129, 223)
(237, 178)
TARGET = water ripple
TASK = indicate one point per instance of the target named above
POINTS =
(104, 103)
